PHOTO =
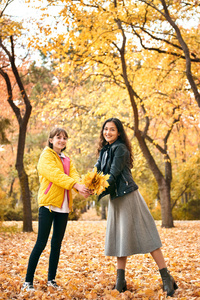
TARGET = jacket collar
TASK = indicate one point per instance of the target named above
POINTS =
(118, 141)
(47, 148)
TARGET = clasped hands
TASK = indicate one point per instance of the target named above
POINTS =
(83, 190)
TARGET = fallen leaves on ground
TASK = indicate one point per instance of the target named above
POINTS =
(85, 273)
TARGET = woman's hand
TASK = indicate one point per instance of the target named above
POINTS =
(81, 188)
(91, 192)
(85, 195)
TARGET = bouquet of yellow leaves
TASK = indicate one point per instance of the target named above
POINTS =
(95, 181)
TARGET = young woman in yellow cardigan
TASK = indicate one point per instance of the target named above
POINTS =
(57, 176)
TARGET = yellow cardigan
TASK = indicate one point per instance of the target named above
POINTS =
(53, 180)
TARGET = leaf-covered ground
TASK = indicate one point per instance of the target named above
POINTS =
(85, 273)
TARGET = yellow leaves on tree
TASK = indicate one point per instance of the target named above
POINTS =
(96, 181)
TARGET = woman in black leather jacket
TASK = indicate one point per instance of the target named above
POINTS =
(130, 226)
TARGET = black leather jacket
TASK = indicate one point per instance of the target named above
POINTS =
(114, 160)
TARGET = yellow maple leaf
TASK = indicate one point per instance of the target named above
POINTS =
(96, 181)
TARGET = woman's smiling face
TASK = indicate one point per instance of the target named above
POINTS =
(110, 132)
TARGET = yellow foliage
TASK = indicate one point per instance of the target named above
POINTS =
(96, 181)
(4, 201)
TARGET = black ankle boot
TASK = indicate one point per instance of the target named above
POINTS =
(169, 284)
(121, 282)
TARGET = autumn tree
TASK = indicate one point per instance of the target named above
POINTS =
(10, 31)
(170, 10)
(127, 46)
(4, 125)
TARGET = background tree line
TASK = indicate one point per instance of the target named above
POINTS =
(137, 61)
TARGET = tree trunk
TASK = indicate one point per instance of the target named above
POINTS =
(104, 204)
(165, 200)
(25, 194)
(84, 209)
(23, 178)
(103, 211)
(23, 123)
(164, 182)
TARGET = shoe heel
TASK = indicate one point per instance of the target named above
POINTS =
(175, 286)
(124, 288)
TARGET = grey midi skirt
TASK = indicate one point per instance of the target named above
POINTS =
(131, 228)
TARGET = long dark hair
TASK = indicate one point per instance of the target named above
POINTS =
(56, 131)
(122, 135)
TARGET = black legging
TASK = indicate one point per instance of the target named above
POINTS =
(46, 218)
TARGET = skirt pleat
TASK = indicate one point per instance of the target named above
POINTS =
(131, 228)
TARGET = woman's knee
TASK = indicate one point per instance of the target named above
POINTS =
(56, 243)
(40, 245)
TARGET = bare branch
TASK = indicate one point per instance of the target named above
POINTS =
(15, 109)
(185, 50)
(6, 5)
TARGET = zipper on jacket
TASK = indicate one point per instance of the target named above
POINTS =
(125, 179)
(116, 190)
